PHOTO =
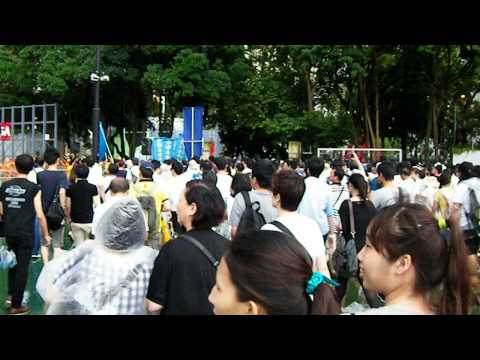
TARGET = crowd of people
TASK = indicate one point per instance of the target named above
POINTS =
(242, 236)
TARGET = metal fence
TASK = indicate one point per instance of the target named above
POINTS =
(33, 127)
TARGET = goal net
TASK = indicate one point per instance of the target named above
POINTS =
(365, 155)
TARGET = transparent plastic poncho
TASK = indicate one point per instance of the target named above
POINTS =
(108, 275)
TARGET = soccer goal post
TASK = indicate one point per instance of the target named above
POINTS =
(365, 154)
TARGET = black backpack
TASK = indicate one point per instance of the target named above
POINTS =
(55, 215)
(251, 218)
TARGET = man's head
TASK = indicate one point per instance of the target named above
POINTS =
(135, 161)
(113, 169)
(465, 170)
(89, 162)
(156, 165)
(51, 156)
(437, 170)
(290, 164)
(262, 173)
(248, 163)
(221, 163)
(177, 167)
(146, 172)
(81, 171)
(336, 175)
(405, 171)
(315, 166)
(24, 164)
(386, 172)
(119, 186)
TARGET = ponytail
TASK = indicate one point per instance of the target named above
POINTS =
(455, 294)
(325, 301)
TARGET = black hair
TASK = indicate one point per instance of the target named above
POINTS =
(240, 182)
(357, 181)
(24, 164)
(146, 172)
(90, 162)
(51, 156)
(206, 165)
(81, 171)
(263, 171)
(177, 167)
(156, 164)
(248, 162)
(240, 167)
(113, 169)
(387, 170)
(272, 269)
(315, 166)
(476, 171)
(221, 163)
(466, 170)
(292, 163)
(209, 178)
(339, 173)
(291, 188)
(210, 205)
(445, 178)
(135, 161)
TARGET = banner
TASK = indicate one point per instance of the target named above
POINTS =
(193, 131)
(5, 131)
(168, 148)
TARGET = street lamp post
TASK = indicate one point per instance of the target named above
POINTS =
(96, 107)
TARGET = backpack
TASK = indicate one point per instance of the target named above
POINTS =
(251, 218)
(474, 215)
(55, 214)
(147, 201)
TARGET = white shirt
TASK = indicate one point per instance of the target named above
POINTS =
(107, 180)
(411, 187)
(461, 196)
(224, 183)
(95, 175)
(316, 202)
(174, 189)
(308, 233)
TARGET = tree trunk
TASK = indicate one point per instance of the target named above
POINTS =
(308, 82)
(435, 125)
(377, 114)
(376, 94)
(368, 119)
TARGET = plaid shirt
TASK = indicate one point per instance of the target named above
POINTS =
(115, 285)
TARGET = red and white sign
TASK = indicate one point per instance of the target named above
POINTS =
(5, 131)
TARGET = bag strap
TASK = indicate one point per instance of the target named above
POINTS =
(282, 227)
(352, 218)
(202, 248)
(246, 197)
(341, 192)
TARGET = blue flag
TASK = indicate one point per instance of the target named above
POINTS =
(102, 144)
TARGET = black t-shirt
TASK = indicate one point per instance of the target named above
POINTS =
(81, 194)
(363, 213)
(18, 210)
(48, 181)
(183, 277)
